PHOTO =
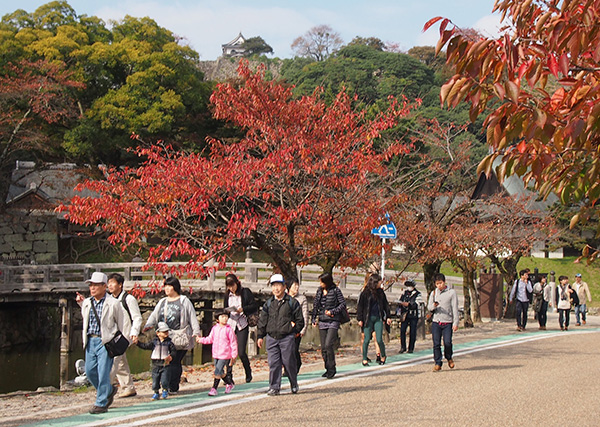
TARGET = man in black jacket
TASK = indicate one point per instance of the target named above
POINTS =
(280, 320)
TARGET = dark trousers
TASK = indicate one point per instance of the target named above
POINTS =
(437, 333)
(564, 317)
(543, 313)
(160, 376)
(522, 313)
(242, 343)
(175, 370)
(329, 338)
(280, 352)
(297, 352)
(411, 323)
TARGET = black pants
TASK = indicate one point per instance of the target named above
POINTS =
(522, 313)
(543, 313)
(242, 342)
(328, 339)
(297, 352)
(175, 370)
(564, 317)
(410, 322)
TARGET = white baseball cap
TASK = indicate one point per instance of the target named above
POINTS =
(97, 277)
(276, 278)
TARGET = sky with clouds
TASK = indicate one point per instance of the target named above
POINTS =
(206, 25)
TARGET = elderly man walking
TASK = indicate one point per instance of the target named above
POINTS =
(102, 316)
(280, 320)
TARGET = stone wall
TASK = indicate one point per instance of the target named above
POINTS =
(27, 238)
(28, 323)
(226, 68)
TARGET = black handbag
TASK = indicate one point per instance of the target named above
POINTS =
(118, 344)
(344, 316)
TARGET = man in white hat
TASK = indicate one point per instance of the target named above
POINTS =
(584, 295)
(102, 316)
(279, 322)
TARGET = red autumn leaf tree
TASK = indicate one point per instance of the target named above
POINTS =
(541, 81)
(32, 96)
(300, 185)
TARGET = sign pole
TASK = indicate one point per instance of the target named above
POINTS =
(383, 258)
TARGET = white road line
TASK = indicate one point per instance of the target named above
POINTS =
(195, 408)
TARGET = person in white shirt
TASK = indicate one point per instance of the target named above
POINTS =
(120, 372)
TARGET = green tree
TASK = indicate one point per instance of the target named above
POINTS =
(256, 46)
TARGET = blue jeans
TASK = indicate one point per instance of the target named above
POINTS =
(160, 375)
(580, 309)
(97, 369)
(437, 333)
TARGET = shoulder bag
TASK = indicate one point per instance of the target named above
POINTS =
(118, 344)
(179, 337)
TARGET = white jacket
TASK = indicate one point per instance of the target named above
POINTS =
(114, 318)
(136, 315)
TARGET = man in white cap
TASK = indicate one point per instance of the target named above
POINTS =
(102, 316)
(280, 320)
(584, 295)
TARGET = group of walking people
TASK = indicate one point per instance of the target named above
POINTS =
(281, 323)
(562, 296)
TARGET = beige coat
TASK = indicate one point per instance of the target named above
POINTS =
(583, 292)
(113, 319)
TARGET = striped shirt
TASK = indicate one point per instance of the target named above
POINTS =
(93, 325)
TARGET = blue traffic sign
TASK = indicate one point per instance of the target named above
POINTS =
(386, 231)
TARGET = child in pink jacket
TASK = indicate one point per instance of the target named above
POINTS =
(224, 351)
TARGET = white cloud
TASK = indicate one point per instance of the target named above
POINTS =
(489, 26)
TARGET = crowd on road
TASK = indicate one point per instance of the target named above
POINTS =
(110, 314)
(562, 296)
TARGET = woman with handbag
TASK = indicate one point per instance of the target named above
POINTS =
(178, 312)
(372, 312)
(243, 309)
(328, 305)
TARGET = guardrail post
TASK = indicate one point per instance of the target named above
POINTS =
(421, 322)
(343, 282)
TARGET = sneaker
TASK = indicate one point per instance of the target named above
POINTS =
(98, 409)
(402, 350)
(451, 364)
(155, 396)
(213, 392)
(577, 324)
(249, 378)
(128, 393)
(295, 389)
(566, 328)
(165, 394)
(229, 388)
(437, 368)
(272, 392)
(330, 375)
(583, 321)
(325, 374)
(411, 351)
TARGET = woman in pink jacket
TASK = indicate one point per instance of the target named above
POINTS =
(224, 351)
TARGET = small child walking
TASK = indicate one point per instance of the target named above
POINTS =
(163, 351)
(224, 352)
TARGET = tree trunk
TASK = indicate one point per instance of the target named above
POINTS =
(467, 284)
(429, 271)
(508, 269)
(475, 313)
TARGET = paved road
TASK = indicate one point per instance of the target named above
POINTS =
(515, 379)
